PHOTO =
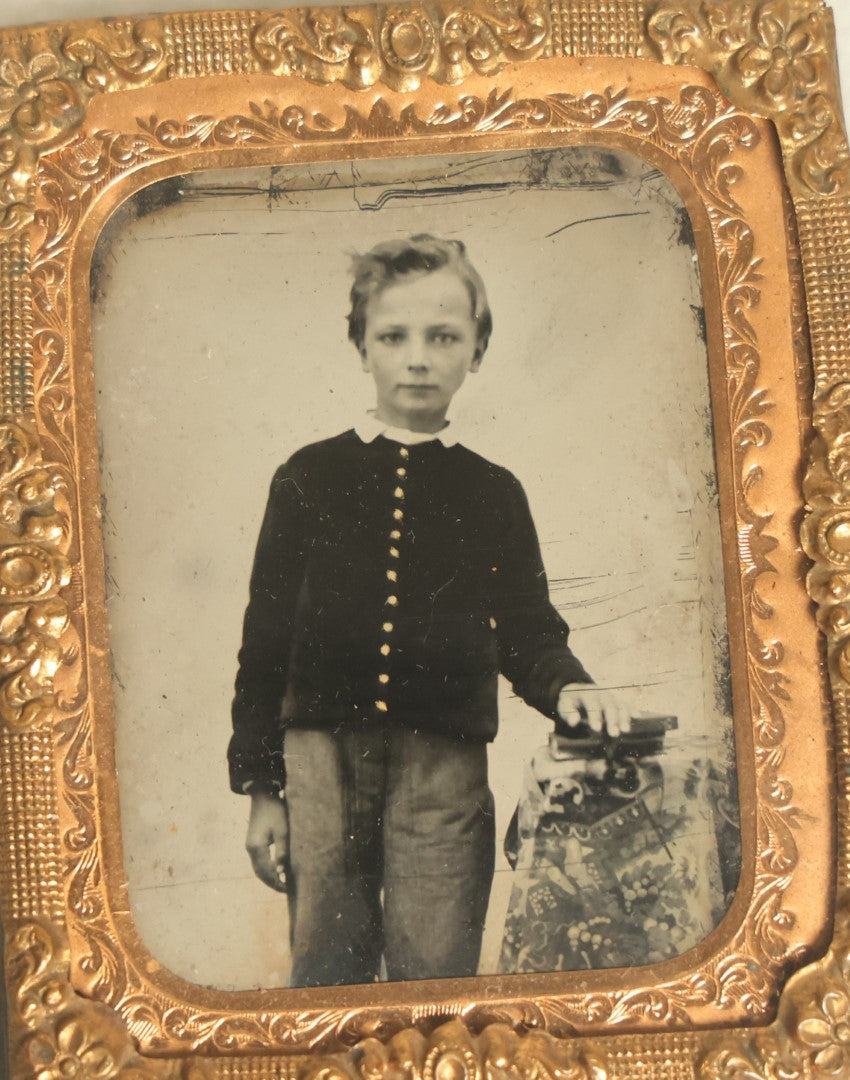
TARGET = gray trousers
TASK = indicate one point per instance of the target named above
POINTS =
(392, 846)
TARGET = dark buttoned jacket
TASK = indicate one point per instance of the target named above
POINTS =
(392, 583)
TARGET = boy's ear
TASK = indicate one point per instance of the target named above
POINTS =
(364, 360)
(475, 363)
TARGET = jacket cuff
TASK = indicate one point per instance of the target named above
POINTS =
(267, 787)
(255, 768)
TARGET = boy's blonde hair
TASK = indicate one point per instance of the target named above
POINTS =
(392, 261)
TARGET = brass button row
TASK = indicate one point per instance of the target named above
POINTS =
(392, 575)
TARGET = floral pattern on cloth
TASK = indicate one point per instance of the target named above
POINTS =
(617, 867)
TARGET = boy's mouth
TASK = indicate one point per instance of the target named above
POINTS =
(417, 386)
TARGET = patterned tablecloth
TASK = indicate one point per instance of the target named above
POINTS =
(617, 865)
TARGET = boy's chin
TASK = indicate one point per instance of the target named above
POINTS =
(419, 419)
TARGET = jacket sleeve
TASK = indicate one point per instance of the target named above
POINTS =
(533, 651)
(255, 753)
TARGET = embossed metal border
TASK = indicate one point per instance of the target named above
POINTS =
(771, 58)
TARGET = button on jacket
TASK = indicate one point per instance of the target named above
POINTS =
(392, 583)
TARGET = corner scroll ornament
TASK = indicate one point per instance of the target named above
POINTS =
(402, 45)
(55, 1034)
(41, 106)
(773, 58)
(35, 636)
(46, 84)
(47, 81)
(810, 1039)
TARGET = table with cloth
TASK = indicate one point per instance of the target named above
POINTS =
(619, 863)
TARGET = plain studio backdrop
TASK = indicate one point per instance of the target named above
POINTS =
(220, 348)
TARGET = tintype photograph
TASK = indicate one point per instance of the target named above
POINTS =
(415, 577)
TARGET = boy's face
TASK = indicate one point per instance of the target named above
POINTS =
(419, 343)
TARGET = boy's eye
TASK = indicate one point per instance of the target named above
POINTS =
(445, 337)
(391, 337)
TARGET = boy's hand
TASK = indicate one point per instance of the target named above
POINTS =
(268, 827)
(602, 709)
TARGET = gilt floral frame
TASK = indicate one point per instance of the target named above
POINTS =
(716, 94)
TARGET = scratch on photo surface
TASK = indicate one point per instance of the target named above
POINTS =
(599, 217)
(434, 596)
(562, 584)
(615, 618)
(187, 884)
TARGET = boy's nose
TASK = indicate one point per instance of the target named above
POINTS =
(417, 355)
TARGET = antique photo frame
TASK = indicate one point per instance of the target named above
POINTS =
(737, 104)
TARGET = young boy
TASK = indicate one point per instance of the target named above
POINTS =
(396, 574)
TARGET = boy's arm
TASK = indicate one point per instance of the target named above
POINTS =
(255, 754)
(533, 638)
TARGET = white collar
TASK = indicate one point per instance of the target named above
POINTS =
(369, 427)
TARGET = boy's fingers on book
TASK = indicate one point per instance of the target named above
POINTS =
(617, 716)
(611, 720)
(579, 702)
(601, 708)
(595, 717)
(571, 717)
(570, 704)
